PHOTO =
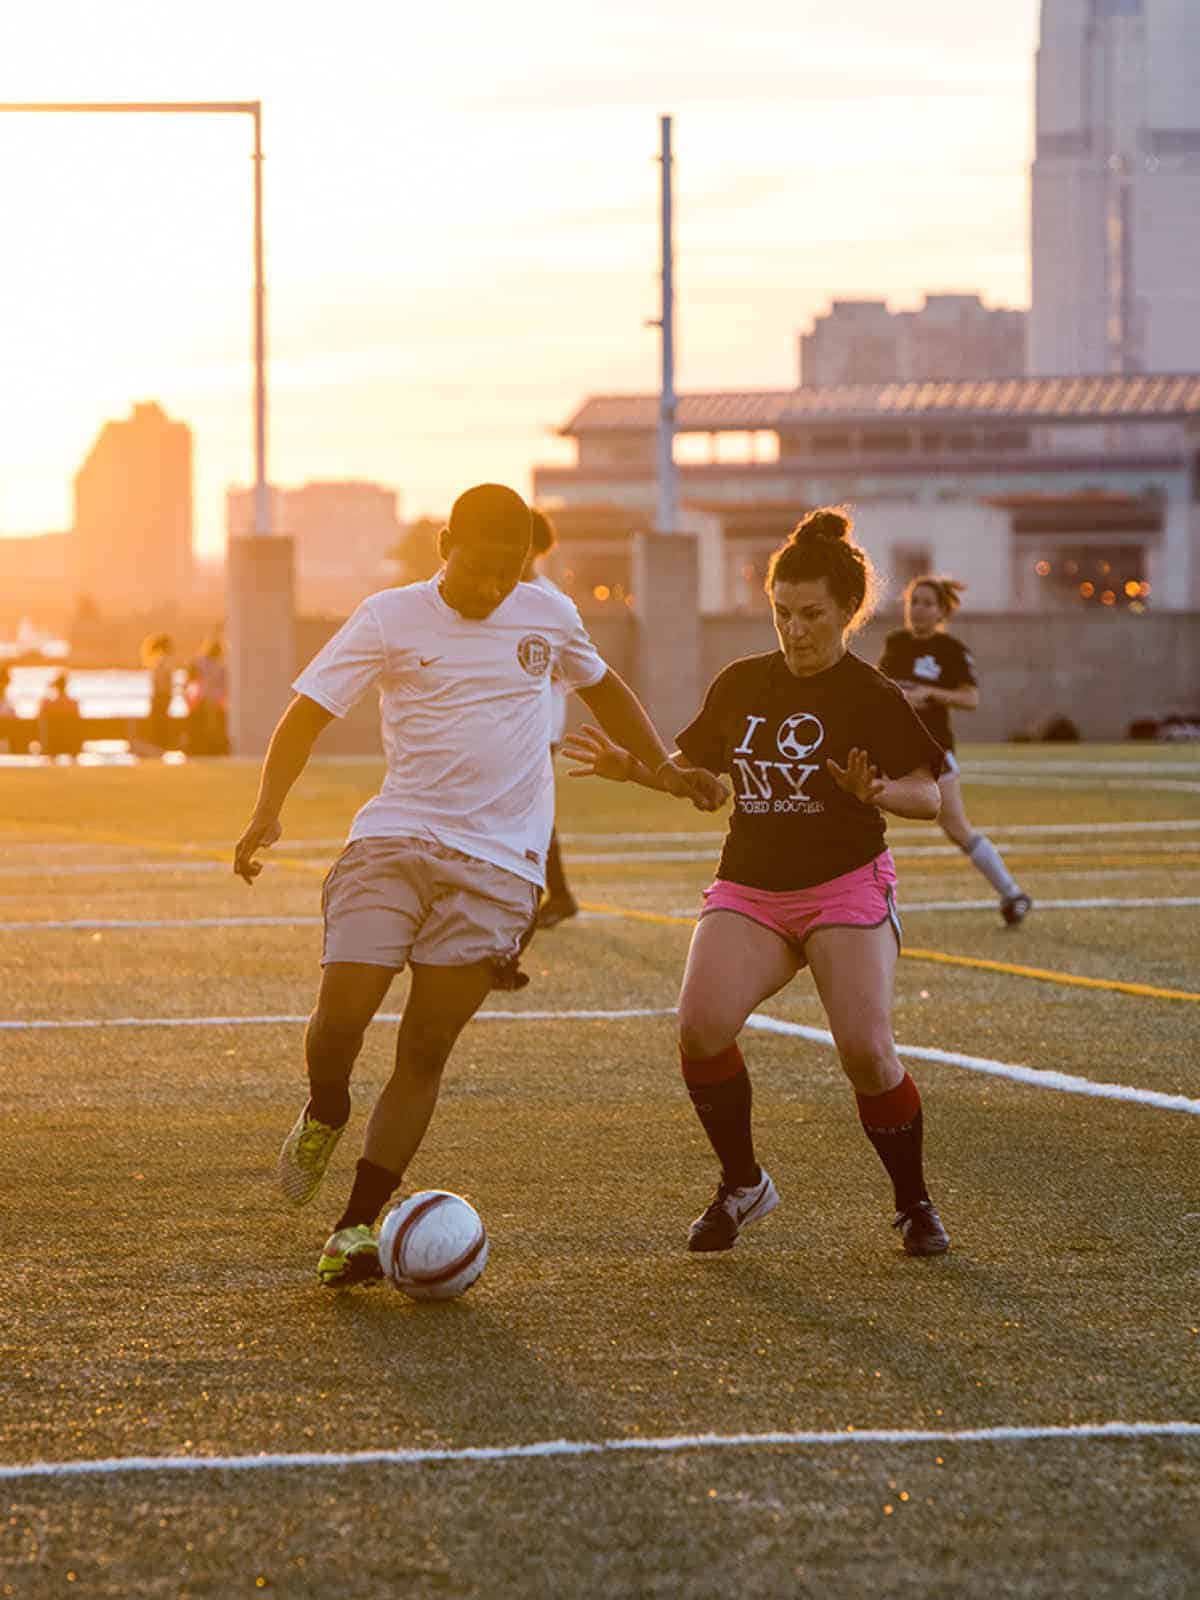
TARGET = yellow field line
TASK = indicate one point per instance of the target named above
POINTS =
(1043, 976)
(1040, 974)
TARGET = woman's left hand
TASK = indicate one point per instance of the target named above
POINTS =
(859, 777)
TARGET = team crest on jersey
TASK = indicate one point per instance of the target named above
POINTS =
(533, 653)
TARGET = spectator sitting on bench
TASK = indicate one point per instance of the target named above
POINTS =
(60, 726)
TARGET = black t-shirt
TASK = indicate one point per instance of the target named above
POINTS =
(772, 733)
(939, 662)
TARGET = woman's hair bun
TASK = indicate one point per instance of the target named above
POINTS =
(826, 524)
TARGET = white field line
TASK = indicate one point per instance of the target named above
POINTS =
(126, 868)
(1053, 781)
(112, 868)
(126, 856)
(553, 1448)
(50, 1023)
(161, 922)
(119, 924)
(1062, 1082)
(1181, 768)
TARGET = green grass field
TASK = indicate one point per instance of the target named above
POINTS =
(161, 1302)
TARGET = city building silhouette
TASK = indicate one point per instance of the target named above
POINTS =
(132, 544)
(1116, 188)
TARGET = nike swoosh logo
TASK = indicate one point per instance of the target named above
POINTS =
(427, 661)
(746, 1210)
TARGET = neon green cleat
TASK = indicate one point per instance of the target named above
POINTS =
(350, 1256)
(304, 1156)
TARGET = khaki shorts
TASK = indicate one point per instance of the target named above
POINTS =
(390, 901)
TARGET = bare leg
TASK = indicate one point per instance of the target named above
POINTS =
(953, 817)
(977, 847)
(854, 969)
(441, 1002)
(351, 993)
(733, 965)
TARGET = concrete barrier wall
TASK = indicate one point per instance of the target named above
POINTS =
(1102, 671)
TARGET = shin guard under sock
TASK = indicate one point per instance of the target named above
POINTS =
(984, 857)
(893, 1122)
(719, 1087)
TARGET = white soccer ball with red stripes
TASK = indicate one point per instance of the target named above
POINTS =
(433, 1245)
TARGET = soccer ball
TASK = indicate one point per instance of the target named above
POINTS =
(433, 1245)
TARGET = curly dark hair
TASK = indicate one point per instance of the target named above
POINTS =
(821, 546)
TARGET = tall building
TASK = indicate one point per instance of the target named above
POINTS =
(133, 516)
(951, 336)
(1116, 188)
(343, 532)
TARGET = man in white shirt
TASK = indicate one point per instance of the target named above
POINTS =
(443, 869)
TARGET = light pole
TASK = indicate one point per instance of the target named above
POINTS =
(666, 390)
(260, 581)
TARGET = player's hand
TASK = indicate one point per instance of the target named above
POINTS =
(261, 834)
(704, 789)
(596, 754)
(858, 777)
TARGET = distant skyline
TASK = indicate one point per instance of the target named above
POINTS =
(461, 218)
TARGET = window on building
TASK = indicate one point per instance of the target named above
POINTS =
(828, 441)
(692, 449)
(885, 441)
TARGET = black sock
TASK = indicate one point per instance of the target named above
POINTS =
(894, 1123)
(329, 1103)
(556, 883)
(373, 1188)
(724, 1109)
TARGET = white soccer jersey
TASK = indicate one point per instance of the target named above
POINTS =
(560, 690)
(465, 711)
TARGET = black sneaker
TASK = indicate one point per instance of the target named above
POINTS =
(730, 1211)
(921, 1230)
(1014, 908)
(556, 909)
(508, 974)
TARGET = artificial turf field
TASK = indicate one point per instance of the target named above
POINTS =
(160, 1301)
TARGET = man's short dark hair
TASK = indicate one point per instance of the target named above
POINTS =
(544, 535)
(490, 513)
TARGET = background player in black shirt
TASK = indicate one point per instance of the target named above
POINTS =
(936, 673)
(818, 745)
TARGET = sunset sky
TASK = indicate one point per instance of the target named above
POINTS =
(461, 216)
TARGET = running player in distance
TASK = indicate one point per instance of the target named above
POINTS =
(443, 869)
(937, 675)
(819, 746)
(559, 903)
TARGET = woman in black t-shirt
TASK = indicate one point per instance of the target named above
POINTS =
(817, 745)
(935, 672)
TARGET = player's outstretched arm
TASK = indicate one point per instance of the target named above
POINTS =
(915, 795)
(287, 755)
(623, 719)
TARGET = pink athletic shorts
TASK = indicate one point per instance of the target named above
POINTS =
(864, 898)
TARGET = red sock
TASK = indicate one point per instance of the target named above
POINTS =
(719, 1087)
(893, 1121)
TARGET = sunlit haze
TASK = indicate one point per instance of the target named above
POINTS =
(461, 217)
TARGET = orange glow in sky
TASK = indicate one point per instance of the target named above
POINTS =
(461, 217)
